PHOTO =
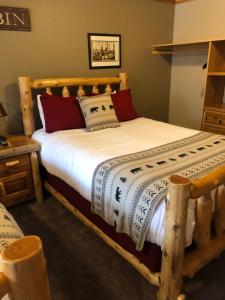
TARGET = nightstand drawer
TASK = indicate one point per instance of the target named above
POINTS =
(216, 118)
(214, 122)
(16, 188)
(15, 164)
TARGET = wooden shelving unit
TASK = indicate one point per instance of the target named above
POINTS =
(213, 118)
(214, 107)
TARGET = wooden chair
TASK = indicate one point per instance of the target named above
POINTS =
(23, 273)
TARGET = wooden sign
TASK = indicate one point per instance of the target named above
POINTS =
(14, 18)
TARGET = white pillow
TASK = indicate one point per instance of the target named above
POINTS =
(40, 109)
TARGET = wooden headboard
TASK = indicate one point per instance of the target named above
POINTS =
(27, 85)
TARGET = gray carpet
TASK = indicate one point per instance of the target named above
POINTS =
(81, 266)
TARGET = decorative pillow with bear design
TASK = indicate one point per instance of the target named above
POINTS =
(98, 112)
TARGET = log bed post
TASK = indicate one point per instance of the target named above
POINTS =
(202, 235)
(24, 274)
(26, 105)
(174, 243)
(220, 211)
(124, 81)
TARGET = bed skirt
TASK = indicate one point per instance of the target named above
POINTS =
(150, 255)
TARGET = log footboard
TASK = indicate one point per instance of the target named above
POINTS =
(209, 234)
(24, 275)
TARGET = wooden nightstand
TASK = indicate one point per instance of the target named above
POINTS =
(19, 171)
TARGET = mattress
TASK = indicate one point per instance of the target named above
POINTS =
(73, 155)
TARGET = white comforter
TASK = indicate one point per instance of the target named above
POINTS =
(73, 155)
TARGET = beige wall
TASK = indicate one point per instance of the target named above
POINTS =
(187, 90)
(195, 20)
(57, 46)
(199, 20)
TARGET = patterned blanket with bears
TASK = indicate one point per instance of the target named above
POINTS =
(127, 189)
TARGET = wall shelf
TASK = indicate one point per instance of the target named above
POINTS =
(168, 49)
(216, 73)
(213, 119)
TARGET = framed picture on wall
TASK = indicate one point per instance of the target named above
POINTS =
(104, 50)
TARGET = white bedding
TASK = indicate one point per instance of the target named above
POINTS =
(73, 155)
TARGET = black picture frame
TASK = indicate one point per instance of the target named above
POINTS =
(104, 50)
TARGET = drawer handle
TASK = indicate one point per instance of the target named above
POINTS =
(220, 121)
(12, 163)
(2, 190)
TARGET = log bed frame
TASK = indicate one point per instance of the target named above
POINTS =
(176, 263)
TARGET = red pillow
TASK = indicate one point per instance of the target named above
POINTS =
(61, 113)
(123, 105)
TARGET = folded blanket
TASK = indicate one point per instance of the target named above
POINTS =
(127, 189)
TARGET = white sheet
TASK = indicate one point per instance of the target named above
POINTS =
(73, 155)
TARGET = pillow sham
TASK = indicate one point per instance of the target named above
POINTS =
(61, 113)
(123, 105)
(98, 112)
